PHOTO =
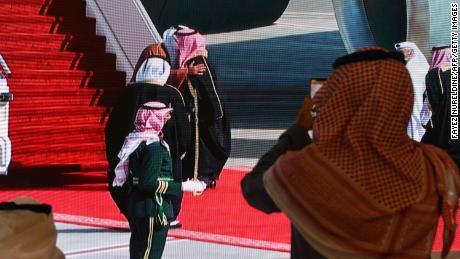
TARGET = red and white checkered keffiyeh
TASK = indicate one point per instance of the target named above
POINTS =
(441, 57)
(150, 119)
(191, 44)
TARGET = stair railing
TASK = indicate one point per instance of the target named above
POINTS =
(127, 28)
(5, 98)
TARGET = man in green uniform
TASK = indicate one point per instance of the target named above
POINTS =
(145, 162)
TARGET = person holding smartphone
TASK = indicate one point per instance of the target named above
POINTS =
(363, 188)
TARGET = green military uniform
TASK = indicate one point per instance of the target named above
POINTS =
(149, 205)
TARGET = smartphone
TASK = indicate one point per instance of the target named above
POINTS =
(315, 85)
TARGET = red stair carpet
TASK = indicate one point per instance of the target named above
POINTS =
(63, 84)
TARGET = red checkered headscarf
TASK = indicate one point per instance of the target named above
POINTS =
(150, 119)
(441, 57)
(191, 44)
(362, 114)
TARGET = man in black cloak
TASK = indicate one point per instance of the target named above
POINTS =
(211, 135)
(150, 76)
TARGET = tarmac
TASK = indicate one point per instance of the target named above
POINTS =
(75, 242)
(264, 72)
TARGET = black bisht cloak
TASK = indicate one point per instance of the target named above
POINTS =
(214, 125)
(439, 94)
(121, 123)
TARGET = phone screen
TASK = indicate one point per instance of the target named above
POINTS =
(315, 85)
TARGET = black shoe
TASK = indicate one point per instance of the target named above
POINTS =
(211, 184)
(175, 224)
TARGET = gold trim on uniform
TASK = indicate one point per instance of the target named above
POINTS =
(149, 240)
(166, 187)
(159, 187)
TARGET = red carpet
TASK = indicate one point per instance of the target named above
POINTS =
(222, 211)
(63, 83)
